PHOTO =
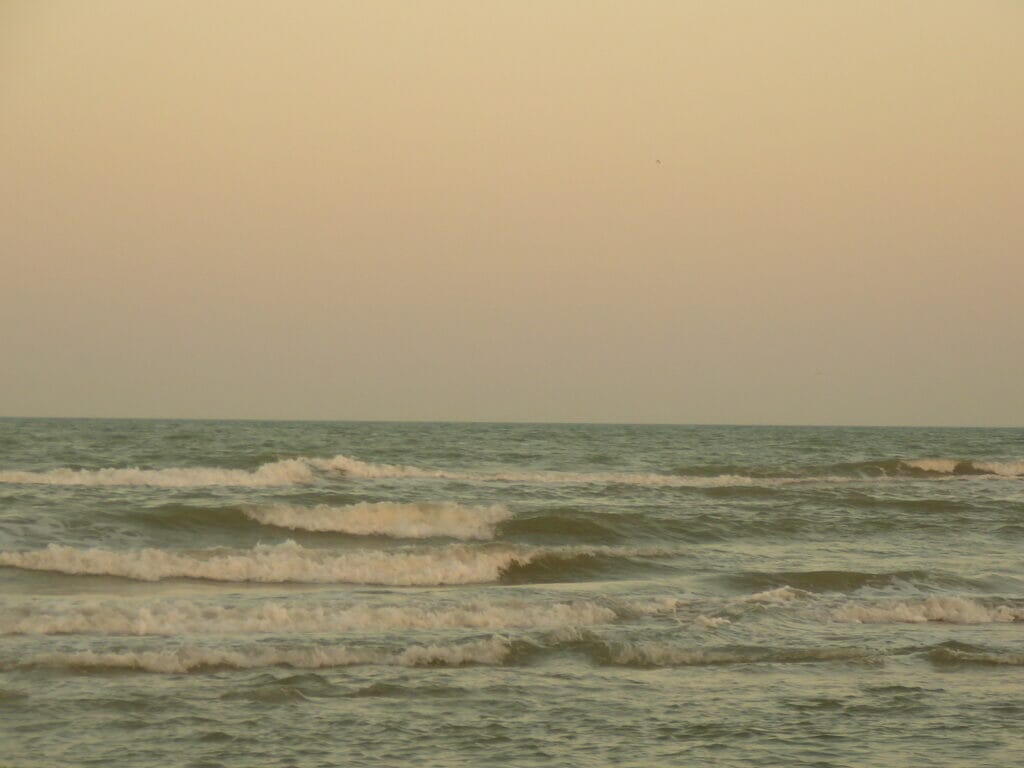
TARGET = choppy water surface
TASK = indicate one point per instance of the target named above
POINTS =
(243, 593)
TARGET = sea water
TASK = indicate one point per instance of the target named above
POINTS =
(203, 593)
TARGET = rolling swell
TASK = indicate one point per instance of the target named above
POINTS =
(391, 519)
(952, 655)
(185, 617)
(496, 650)
(290, 562)
(581, 565)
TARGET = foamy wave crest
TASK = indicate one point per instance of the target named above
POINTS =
(356, 468)
(188, 618)
(290, 562)
(953, 610)
(492, 651)
(780, 595)
(960, 467)
(284, 472)
(411, 521)
(303, 470)
(360, 469)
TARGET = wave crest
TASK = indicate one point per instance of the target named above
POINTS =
(188, 618)
(290, 562)
(410, 521)
(952, 610)
(284, 472)
(187, 659)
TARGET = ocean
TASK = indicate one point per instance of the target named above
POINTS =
(231, 593)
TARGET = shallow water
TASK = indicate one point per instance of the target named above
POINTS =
(259, 593)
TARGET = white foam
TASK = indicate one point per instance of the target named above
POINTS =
(711, 622)
(954, 610)
(178, 617)
(414, 521)
(783, 594)
(290, 562)
(950, 466)
(190, 659)
(943, 466)
(284, 472)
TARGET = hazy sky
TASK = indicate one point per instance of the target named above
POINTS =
(739, 212)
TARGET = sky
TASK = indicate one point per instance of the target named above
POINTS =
(678, 212)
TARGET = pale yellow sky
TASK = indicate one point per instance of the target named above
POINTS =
(742, 212)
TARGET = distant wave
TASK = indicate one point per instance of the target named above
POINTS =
(931, 467)
(410, 521)
(361, 469)
(284, 472)
(290, 562)
(304, 470)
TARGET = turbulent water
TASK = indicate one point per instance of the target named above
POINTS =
(315, 594)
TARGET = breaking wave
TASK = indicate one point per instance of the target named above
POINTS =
(409, 521)
(953, 610)
(180, 617)
(284, 472)
(290, 562)
(776, 596)
(304, 470)
(186, 659)
(365, 470)
(493, 651)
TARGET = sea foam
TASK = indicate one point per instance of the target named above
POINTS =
(276, 473)
(492, 651)
(953, 610)
(183, 617)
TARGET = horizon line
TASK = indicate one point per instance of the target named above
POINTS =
(522, 422)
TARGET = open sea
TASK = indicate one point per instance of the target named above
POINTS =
(204, 593)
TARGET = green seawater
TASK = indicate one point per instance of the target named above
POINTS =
(202, 593)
